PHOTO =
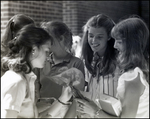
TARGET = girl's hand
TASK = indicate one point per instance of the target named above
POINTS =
(66, 94)
(86, 107)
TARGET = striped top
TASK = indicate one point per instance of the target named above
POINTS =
(99, 85)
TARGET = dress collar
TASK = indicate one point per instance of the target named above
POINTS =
(30, 75)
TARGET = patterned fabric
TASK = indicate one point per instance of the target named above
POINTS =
(72, 75)
(103, 85)
(100, 84)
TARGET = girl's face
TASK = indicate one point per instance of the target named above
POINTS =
(58, 47)
(119, 45)
(97, 39)
(39, 55)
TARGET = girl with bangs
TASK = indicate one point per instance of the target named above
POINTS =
(131, 40)
(99, 57)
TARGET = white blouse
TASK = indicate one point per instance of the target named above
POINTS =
(143, 108)
(18, 93)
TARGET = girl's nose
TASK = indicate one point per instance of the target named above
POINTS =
(115, 45)
(94, 39)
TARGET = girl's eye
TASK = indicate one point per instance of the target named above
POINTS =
(90, 36)
(119, 42)
(99, 37)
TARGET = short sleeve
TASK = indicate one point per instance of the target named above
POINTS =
(13, 90)
(127, 76)
(79, 65)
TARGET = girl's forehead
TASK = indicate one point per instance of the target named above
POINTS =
(100, 30)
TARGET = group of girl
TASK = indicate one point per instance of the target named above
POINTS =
(41, 78)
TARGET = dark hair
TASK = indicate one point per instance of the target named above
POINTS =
(21, 47)
(58, 29)
(98, 21)
(135, 35)
(12, 27)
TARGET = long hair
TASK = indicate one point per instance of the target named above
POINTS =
(135, 34)
(21, 48)
(12, 27)
(98, 21)
(58, 29)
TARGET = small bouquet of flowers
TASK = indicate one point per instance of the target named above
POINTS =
(72, 77)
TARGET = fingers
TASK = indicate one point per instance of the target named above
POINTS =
(81, 101)
(75, 83)
(66, 88)
(80, 107)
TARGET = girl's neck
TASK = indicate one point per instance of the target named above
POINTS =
(60, 57)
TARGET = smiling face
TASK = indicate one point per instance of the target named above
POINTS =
(97, 39)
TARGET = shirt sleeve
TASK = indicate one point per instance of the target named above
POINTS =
(79, 65)
(127, 76)
(13, 93)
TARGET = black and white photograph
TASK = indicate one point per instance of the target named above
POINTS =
(74, 59)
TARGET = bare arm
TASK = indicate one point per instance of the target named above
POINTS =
(56, 106)
(71, 113)
(91, 109)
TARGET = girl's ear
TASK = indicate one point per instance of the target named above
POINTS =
(61, 38)
(34, 52)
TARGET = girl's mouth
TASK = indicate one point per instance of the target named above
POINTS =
(95, 45)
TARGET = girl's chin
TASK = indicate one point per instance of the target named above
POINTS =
(95, 49)
(120, 53)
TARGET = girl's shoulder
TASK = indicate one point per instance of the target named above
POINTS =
(76, 61)
(13, 76)
(131, 74)
(131, 80)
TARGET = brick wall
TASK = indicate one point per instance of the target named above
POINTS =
(38, 10)
(77, 13)
(73, 13)
(70, 15)
(145, 11)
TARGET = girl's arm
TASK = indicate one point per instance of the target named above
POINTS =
(91, 109)
(71, 113)
(130, 102)
(56, 106)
